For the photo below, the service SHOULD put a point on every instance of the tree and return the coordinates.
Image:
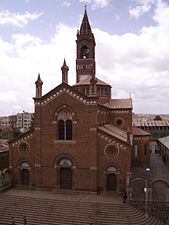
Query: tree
(157, 117)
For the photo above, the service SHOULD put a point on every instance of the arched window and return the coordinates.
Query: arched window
(65, 125)
(61, 129)
(84, 52)
(65, 162)
(111, 169)
(68, 130)
(136, 148)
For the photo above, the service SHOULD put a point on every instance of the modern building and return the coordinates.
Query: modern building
(23, 121)
(82, 137)
(4, 122)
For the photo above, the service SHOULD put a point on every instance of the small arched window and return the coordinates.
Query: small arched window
(111, 169)
(136, 149)
(84, 52)
(24, 165)
(65, 162)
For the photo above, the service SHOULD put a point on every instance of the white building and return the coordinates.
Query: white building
(24, 120)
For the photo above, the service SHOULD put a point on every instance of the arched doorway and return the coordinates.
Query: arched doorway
(111, 182)
(24, 173)
(25, 177)
(153, 147)
(111, 175)
(65, 173)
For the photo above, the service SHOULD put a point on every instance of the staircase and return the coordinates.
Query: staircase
(56, 209)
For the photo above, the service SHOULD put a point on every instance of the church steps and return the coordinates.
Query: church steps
(71, 212)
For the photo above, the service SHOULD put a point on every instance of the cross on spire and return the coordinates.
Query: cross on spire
(85, 8)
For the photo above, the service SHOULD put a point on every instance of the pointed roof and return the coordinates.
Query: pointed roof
(64, 65)
(39, 81)
(85, 25)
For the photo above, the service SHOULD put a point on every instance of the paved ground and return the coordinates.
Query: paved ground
(158, 170)
(158, 174)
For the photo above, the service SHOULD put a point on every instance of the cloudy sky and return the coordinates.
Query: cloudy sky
(132, 49)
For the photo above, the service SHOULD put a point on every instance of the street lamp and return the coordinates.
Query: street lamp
(146, 192)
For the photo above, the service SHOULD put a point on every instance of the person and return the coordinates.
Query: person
(124, 197)
(13, 221)
(24, 220)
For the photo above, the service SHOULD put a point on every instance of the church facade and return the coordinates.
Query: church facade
(81, 138)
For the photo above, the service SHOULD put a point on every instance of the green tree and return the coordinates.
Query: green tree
(157, 117)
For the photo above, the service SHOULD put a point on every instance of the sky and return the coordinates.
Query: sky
(132, 49)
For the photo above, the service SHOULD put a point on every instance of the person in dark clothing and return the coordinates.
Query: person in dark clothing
(24, 220)
(13, 221)
(124, 197)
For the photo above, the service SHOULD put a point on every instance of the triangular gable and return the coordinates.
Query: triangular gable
(69, 90)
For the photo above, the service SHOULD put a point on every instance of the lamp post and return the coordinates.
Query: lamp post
(146, 192)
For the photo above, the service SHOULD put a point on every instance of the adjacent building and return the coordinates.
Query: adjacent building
(22, 121)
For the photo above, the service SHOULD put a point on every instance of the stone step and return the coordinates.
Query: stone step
(62, 212)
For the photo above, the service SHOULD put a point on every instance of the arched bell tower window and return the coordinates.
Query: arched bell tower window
(84, 52)
(65, 125)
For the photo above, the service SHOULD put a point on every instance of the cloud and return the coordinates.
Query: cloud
(97, 3)
(66, 3)
(28, 55)
(143, 6)
(7, 96)
(18, 19)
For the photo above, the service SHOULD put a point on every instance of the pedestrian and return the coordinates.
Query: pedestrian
(124, 197)
(24, 220)
(13, 221)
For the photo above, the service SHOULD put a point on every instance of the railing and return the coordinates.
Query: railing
(155, 208)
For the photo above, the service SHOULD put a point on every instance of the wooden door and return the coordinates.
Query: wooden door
(25, 177)
(65, 178)
(111, 182)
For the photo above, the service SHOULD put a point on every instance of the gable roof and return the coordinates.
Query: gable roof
(119, 104)
(150, 123)
(86, 81)
(164, 141)
(69, 90)
(114, 131)
(139, 132)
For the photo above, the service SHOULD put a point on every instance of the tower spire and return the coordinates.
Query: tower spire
(65, 70)
(85, 61)
(39, 84)
(85, 25)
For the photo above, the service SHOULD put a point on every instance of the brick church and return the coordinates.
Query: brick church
(81, 138)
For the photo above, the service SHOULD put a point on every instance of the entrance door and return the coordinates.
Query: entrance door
(65, 178)
(111, 182)
(25, 177)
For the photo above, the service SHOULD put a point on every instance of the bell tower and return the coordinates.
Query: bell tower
(85, 55)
